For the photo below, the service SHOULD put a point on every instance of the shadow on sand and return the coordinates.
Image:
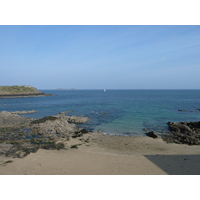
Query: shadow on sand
(177, 164)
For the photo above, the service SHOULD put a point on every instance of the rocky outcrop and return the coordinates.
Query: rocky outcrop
(183, 133)
(152, 134)
(76, 120)
(80, 133)
(53, 127)
(24, 112)
(72, 119)
(10, 120)
(20, 136)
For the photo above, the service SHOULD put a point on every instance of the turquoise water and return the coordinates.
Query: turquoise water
(121, 112)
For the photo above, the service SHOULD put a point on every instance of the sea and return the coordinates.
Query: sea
(116, 112)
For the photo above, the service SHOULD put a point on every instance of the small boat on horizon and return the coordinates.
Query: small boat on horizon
(104, 90)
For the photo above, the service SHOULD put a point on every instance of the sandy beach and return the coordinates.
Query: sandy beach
(109, 155)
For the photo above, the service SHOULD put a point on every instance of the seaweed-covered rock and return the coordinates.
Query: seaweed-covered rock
(44, 119)
(20, 136)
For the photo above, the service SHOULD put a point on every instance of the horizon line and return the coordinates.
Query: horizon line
(117, 89)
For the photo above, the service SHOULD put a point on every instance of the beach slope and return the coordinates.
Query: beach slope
(109, 155)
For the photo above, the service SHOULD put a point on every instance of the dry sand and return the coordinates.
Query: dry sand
(109, 155)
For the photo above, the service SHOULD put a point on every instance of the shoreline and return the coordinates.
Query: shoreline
(109, 155)
(24, 95)
(76, 151)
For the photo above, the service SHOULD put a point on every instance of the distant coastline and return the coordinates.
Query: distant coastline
(66, 89)
(20, 91)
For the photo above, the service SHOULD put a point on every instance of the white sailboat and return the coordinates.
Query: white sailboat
(104, 90)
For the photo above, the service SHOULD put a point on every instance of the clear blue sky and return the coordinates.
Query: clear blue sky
(98, 57)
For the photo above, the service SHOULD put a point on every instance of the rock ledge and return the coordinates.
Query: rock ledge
(183, 133)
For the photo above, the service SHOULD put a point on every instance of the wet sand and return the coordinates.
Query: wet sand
(109, 155)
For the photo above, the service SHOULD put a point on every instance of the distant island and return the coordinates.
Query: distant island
(20, 91)
(66, 89)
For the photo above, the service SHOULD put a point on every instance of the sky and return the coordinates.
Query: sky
(100, 57)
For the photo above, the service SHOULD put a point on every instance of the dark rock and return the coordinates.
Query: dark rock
(152, 134)
(8, 161)
(80, 133)
(74, 147)
(44, 119)
(84, 131)
(184, 111)
(183, 133)
(184, 127)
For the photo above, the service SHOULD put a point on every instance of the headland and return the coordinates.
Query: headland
(20, 91)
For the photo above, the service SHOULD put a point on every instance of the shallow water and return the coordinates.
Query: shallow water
(121, 112)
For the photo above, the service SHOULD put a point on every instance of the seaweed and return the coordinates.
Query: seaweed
(44, 119)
